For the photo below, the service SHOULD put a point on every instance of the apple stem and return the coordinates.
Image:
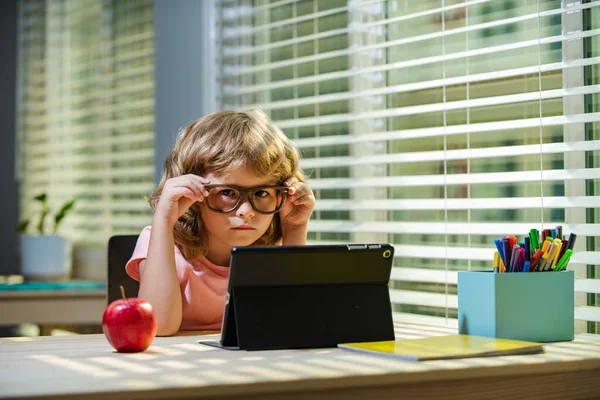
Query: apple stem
(123, 292)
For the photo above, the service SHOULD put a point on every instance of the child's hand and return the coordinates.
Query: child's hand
(298, 206)
(178, 195)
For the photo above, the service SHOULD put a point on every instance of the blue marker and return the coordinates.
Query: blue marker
(526, 266)
(527, 248)
(500, 249)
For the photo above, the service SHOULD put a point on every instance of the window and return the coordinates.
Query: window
(86, 112)
(434, 125)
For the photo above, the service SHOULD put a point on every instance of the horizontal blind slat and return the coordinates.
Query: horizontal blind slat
(451, 277)
(425, 319)
(587, 285)
(462, 154)
(450, 228)
(456, 179)
(587, 313)
(424, 275)
(503, 203)
(424, 298)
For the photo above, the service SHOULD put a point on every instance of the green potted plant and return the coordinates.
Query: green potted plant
(45, 255)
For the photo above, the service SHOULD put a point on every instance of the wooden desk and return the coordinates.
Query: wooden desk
(178, 367)
(52, 306)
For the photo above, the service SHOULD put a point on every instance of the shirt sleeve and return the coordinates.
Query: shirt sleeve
(139, 253)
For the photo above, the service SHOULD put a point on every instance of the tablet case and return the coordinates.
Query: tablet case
(282, 297)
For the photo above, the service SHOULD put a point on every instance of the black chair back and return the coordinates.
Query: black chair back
(120, 249)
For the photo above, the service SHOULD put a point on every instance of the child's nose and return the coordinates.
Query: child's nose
(245, 209)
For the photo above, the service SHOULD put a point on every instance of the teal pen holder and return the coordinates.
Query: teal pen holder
(534, 306)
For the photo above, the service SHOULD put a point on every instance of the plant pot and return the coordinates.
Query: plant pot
(45, 258)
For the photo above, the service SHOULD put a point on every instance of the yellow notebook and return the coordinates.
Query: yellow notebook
(445, 347)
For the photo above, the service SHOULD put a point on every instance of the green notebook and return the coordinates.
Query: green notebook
(445, 347)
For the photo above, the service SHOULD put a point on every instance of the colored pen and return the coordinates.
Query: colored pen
(527, 248)
(551, 254)
(546, 244)
(533, 238)
(521, 259)
(559, 234)
(563, 248)
(512, 240)
(496, 261)
(536, 259)
(562, 264)
(500, 249)
(506, 251)
(526, 266)
(546, 233)
(572, 239)
(543, 262)
(558, 244)
(514, 258)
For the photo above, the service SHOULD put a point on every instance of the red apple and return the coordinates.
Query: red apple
(129, 324)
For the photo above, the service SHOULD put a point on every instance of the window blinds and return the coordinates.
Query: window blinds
(86, 112)
(435, 125)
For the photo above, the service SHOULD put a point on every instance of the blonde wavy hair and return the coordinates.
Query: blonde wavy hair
(218, 143)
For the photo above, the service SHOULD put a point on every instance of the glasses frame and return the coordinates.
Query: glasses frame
(247, 193)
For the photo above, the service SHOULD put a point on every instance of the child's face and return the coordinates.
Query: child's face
(240, 227)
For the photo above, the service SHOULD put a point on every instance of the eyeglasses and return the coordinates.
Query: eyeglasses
(264, 200)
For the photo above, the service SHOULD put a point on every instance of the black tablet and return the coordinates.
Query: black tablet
(282, 297)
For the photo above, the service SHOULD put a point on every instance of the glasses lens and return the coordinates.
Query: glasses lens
(267, 200)
(223, 198)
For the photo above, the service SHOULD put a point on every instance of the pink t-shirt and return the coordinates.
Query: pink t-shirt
(203, 286)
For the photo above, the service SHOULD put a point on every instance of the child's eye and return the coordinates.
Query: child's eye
(228, 192)
(261, 193)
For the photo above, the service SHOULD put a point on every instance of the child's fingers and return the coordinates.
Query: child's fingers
(299, 190)
(182, 191)
(200, 182)
(291, 184)
(193, 182)
(305, 200)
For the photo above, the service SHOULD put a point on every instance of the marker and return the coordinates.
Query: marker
(547, 243)
(562, 264)
(533, 238)
(536, 259)
(558, 244)
(514, 258)
(543, 262)
(496, 261)
(551, 254)
(563, 248)
(500, 249)
(526, 266)
(527, 248)
(506, 251)
(572, 239)
(521, 259)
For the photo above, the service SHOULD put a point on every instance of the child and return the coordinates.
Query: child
(232, 179)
